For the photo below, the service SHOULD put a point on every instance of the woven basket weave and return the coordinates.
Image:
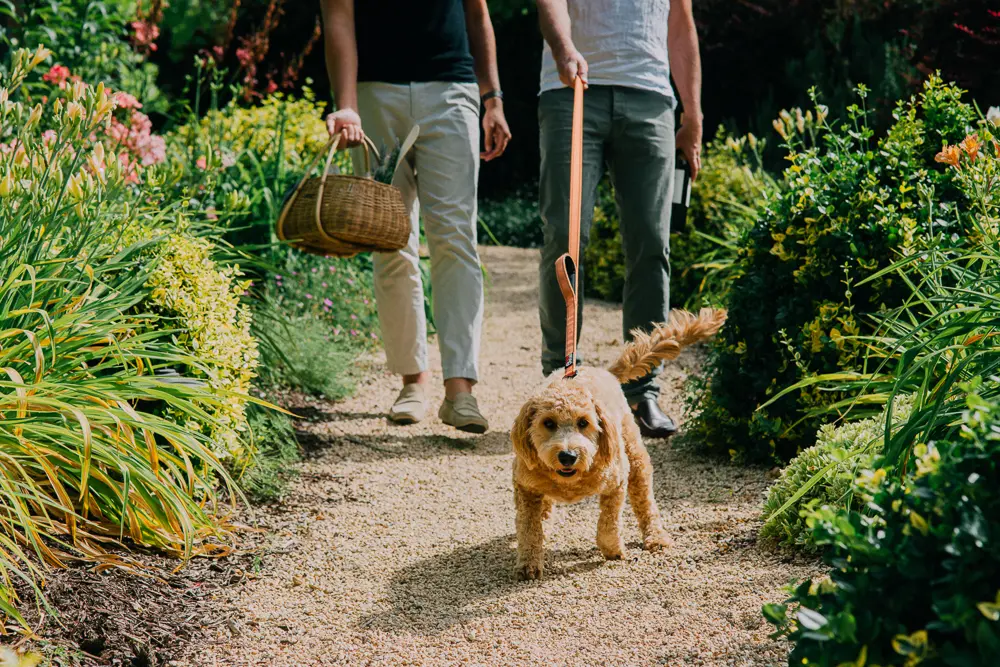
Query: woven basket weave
(342, 216)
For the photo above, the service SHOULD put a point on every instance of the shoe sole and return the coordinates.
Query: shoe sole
(478, 429)
(402, 421)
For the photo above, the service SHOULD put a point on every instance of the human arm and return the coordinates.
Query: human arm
(341, 51)
(685, 63)
(553, 18)
(482, 43)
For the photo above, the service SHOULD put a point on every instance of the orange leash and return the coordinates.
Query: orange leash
(566, 265)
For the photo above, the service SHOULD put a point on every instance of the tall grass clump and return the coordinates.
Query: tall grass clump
(96, 448)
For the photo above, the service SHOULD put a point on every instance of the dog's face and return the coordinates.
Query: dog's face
(564, 429)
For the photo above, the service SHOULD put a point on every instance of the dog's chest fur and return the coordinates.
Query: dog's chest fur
(559, 489)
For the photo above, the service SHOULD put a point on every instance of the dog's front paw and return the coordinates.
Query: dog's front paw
(612, 551)
(529, 571)
(657, 541)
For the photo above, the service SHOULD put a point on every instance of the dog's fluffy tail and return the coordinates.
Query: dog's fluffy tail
(665, 342)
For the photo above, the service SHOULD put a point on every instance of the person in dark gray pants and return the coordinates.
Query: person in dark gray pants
(622, 49)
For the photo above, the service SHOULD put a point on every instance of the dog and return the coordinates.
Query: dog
(576, 438)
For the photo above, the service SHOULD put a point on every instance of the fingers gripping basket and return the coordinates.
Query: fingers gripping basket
(338, 215)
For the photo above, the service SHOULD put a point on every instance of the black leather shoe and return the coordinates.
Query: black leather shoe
(651, 420)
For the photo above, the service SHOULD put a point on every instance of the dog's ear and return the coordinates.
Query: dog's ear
(609, 441)
(520, 436)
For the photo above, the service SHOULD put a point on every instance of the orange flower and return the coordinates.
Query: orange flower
(971, 146)
(950, 155)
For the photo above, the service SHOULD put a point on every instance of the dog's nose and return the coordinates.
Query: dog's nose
(567, 458)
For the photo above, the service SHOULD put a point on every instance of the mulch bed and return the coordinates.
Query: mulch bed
(137, 620)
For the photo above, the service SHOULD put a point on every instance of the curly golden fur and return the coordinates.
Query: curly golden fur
(577, 438)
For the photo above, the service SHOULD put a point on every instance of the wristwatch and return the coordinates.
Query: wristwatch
(490, 95)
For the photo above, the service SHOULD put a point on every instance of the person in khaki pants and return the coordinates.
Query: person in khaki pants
(393, 65)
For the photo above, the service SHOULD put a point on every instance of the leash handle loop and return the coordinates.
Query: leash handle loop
(566, 266)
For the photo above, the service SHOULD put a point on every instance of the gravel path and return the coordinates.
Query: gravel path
(395, 547)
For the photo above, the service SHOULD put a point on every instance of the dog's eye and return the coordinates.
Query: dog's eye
(549, 424)
(582, 423)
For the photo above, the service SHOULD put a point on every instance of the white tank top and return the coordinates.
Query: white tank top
(623, 41)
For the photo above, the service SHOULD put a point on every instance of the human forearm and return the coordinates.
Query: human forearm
(341, 51)
(482, 43)
(685, 61)
(553, 18)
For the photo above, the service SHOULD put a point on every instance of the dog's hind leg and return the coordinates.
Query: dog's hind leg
(640, 491)
(531, 509)
(609, 525)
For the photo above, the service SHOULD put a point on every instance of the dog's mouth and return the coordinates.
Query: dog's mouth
(566, 472)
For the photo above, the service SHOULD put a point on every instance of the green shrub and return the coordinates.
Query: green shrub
(916, 581)
(514, 221)
(214, 329)
(822, 476)
(850, 206)
(91, 39)
(303, 355)
(603, 258)
(730, 187)
(269, 474)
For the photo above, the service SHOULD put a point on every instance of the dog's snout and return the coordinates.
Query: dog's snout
(567, 458)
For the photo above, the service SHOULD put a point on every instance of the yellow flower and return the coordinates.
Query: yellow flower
(74, 187)
(74, 111)
(41, 53)
(6, 184)
(949, 155)
(33, 117)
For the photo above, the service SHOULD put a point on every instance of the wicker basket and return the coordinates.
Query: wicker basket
(344, 215)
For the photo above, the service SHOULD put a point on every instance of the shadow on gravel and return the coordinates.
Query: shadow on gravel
(467, 583)
(384, 447)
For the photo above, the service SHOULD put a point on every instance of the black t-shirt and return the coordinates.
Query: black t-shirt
(400, 41)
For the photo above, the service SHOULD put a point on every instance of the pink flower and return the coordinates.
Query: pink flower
(244, 56)
(277, 277)
(127, 101)
(201, 163)
(271, 87)
(308, 295)
(324, 284)
(145, 33)
(48, 136)
(57, 74)
(327, 303)
(353, 316)
(374, 337)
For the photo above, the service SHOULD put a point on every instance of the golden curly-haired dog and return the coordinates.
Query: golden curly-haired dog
(576, 438)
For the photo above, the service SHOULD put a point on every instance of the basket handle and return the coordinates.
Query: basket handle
(331, 149)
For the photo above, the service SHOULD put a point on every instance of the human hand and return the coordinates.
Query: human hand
(571, 64)
(689, 144)
(496, 133)
(348, 122)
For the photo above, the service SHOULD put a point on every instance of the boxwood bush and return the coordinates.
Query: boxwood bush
(850, 205)
(915, 579)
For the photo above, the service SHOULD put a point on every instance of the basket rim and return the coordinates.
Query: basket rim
(364, 179)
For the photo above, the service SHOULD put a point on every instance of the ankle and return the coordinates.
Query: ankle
(455, 386)
(417, 378)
